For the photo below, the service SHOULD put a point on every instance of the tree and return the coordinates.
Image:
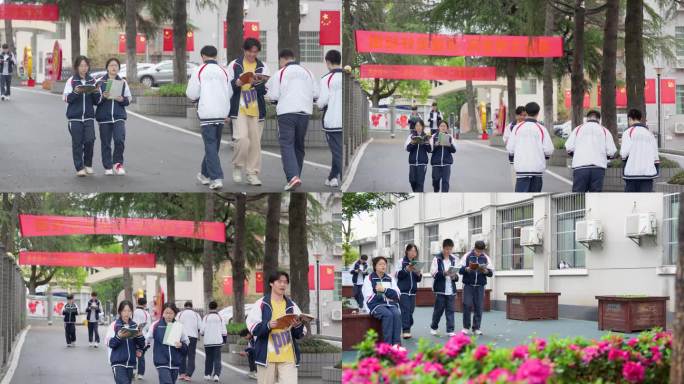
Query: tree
(354, 204)
(299, 254)
(180, 31)
(239, 256)
(127, 278)
(608, 73)
(549, 23)
(272, 236)
(131, 10)
(208, 254)
(677, 358)
(634, 55)
(235, 20)
(288, 25)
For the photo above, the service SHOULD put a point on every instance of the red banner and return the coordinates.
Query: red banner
(190, 41)
(88, 259)
(249, 29)
(568, 100)
(34, 225)
(228, 286)
(34, 12)
(329, 33)
(139, 43)
(168, 40)
(426, 72)
(327, 273)
(650, 91)
(620, 97)
(668, 94)
(410, 43)
(259, 278)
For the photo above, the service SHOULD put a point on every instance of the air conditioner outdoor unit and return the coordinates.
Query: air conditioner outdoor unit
(679, 128)
(336, 314)
(640, 224)
(479, 236)
(303, 9)
(530, 236)
(588, 230)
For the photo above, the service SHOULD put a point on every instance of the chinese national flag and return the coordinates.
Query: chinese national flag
(122, 43)
(667, 91)
(249, 29)
(190, 41)
(228, 286)
(568, 99)
(330, 28)
(312, 278)
(650, 91)
(259, 277)
(327, 276)
(139, 43)
(168, 39)
(620, 97)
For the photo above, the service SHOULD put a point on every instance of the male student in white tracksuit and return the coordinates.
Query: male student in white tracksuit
(192, 325)
(213, 328)
(294, 89)
(590, 145)
(330, 100)
(142, 316)
(209, 86)
(520, 116)
(529, 146)
(639, 152)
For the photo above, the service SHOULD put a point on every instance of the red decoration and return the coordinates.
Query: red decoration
(650, 91)
(668, 94)
(139, 43)
(35, 225)
(168, 40)
(249, 29)
(34, 12)
(190, 42)
(568, 100)
(410, 43)
(327, 273)
(620, 97)
(259, 278)
(56, 62)
(426, 72)
(228, 286)
(87, 259)
(329, 33)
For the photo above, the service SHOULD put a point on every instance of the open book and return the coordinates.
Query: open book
(418, 139)
(443, 140)
(114, 88)
(86, 88)
(127, 332)
(173, 332)
(419, 265)
(452, 271)
(286, 321)
(252, 78)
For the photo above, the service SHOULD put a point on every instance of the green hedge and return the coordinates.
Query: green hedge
(677, 179)
(235, 328)
(558, 142)
(664, 163)
(172, 90)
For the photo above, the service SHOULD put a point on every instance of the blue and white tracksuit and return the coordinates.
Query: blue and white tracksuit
(384, 305)
(474, 283)
(111, 117)
(441, 161)
(166, 358)
(122, 357)
(80, 114)
(418, 160)
(407, 282)
(529, 146)
(444, 288)
(639, 152)
(590, 145)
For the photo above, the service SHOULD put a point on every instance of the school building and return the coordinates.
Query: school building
(576, 244)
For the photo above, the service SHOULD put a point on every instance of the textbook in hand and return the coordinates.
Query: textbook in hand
(86, 88)
(252, 78)
(286, 321)
(127, 332)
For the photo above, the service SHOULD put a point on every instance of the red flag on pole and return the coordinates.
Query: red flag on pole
(650, 91)
(190, 42)
(259, 278)
(139, 43)
(228, 286)
(668, 94)
(168, 39)
(122, 43)
(35, 12)
(568, 100)
(329, 33)
(249, 29)
(327, 273)
(88, 259)
(620, 97)
(312, 278)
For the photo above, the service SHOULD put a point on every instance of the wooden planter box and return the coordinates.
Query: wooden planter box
(232, 356)
(161, 106)
(312, 364)
(354, 328)
(425, 297)
(331, 375)
(347, 291)
(532, 306)
(630, 314)
(486, 307)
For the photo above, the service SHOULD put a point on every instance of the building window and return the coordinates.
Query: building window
(184, 273)
(388, 240)
(567, 211)
(679, 37)
(474, 228)
(431, 234)
(680, 99)
(405, 237)
(509, 222)
(337, 294)
(337, 227)
(528, 87)
(670, 229)
(263, 55)
(309, 49)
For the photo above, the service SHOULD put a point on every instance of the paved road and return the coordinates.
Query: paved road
(36, 155)
(477, 168)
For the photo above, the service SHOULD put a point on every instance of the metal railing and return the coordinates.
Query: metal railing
(355, 118)
(12, 304)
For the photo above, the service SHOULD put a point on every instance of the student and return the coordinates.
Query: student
(294, 89)
(81, 116)
(359, 272)
(590, 145)
(208, 86)
(125, 350)
(639, 152)
(166, 358)
(520, 116)
(434, 120)
(381, 295)
(474, 282)
(413, 118)
(111, 117)
(249, 353)
(141, 316)
(247, 112)
(330, 102)
(93, 310)
(407, 281)
(70, 311)
(7, 64)
(444, 287)
(442, 158)
(418, 146)
(529, 146)
(276, 351)
(192, 325)
(213, 328)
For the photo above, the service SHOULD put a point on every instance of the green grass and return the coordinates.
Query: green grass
(314, 345)
(235, 328)
(172, 90)
(558, 142)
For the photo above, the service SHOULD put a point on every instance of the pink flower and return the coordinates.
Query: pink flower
(534, 371)
(520, 352)
(455, 344)
(396, 353)
(480, 352)
(589, 353)
(633, 342)
(617, 354)
(499, 373)
(541, 344)
(656, 356)
(603, 346)
(633, 372)
(429, 367)
(574, 347)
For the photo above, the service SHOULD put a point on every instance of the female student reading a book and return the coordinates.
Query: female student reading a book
(418, 147)
(408, 274)
(381, 295)
(81, 95)
(111, 117)
(442, 148)
(127, 344)
(276, 351)
(170, 343)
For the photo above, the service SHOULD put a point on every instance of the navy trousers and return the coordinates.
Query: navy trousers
(444, 304)
(109, 131)
(407, 304)
(167, 376)
(588, 179)
(358, 295)
(82, 143)
(391, 323)
(639, 185)
(473, 299)
(528, 184)
(440, 177)
(417, 177)
(122, 375)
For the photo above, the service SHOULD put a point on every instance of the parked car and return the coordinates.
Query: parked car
(227, 313)
(161, 73)
(122, 70)
(563, 130)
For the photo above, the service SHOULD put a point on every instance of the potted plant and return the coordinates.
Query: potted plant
(332, 374)
(317, 353)
(168, 100)
(630, 313)
(533, 305)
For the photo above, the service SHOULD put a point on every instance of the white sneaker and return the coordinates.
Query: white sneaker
(293, 184)
(203, 179)
(119, 169)
(216, 378)
(7, 98)
(216, 184)
(406, 335)
(451, 334)
(109, 172)
(81, 173)
(89, 170)
(138, 376)
(478, 332)
(96, 345)
(434, 332)
(252, 375)
(253, 180)
(237, 175)
(466, 331)
(333, 183)
(207, 377)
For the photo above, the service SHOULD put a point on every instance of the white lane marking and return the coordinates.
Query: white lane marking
(238, 370)
(355, 165)
(15, 357)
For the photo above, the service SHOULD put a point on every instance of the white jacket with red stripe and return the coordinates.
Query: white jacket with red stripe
(639, 150)
(590, 145)
(294, 88)
(528, 146)
(209, 85)
(331, 98)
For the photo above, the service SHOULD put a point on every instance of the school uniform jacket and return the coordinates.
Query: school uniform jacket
(435, 117)
(80, 107)
(192, 322)
(141, 316)
(407, 282)
(97, 311)
(70, 311)
(123, 350)
(639, 152)
(213, 328)
(235, 69)
(418, 153)
(7, 59)
(258, 321)
(362, 271)
(590, 145)
(330, 100)
(528, 147)
(441, 155)
(373, 299)
(475, 277)
(165, 356)
(294, 89)
(111, 111)
(208, 85)
(438, 271)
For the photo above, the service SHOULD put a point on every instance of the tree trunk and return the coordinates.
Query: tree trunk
(127, 278)
(608, 75)
(9, 36)
(677, 358)
(471, 98)
(239, 257)
(375, 96)
(288, 25)
(347, 32)
(272, 245)
(634, 59)
(577, 76)
(511, 75)
(235, 20)
(75, 26)
(170, 270)
(180, 32)
(548, 70)
(299, 255)
(131, 41)
(208, 256)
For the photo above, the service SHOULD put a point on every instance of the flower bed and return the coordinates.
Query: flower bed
(644, 359)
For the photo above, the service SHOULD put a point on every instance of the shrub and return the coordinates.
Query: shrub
(558, 142)
(315, 345)
(172, 90)
(677, 179)
(235, 328)
(664, 163)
